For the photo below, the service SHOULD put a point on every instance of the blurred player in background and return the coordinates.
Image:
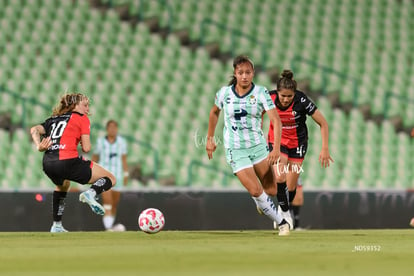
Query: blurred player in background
(293, 106)
(111, 152)
(69, 126)
(243, 103)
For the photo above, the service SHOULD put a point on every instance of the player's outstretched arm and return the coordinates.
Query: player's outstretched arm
(212, 123)
(274, 118)
(324, 157)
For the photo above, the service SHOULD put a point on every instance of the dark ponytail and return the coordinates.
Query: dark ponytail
(239, 60)
(286, 81)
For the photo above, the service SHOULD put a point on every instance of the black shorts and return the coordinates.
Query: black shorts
(75, 169)
(294, 154)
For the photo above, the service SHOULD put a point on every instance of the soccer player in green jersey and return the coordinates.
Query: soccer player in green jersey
(243, 103)
(111, 153)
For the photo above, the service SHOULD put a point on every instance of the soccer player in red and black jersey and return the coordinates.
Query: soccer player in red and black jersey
(69, 126)
(293, 106)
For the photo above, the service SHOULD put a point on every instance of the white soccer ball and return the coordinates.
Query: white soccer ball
(151, 221)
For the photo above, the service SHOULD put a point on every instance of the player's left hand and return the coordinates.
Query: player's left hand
(325, 158)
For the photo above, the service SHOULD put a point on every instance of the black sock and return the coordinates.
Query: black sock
(292, 195)
(296, 210)
(101, 185)
(58, 205)
(282, 196)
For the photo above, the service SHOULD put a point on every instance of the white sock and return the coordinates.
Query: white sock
(57, 223)
(268, 207)
(108, 221)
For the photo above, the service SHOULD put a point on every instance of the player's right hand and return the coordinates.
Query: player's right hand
(210, 147)
(44, 144)
(273, 157)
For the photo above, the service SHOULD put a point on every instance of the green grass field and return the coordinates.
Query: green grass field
(339, 252)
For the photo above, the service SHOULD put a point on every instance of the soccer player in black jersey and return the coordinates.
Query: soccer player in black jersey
(58, 137)
(293, 106)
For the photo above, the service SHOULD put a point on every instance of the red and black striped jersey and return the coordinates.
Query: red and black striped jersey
(293, 117)
(65, 132)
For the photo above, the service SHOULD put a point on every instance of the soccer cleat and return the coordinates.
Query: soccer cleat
(57, 228)
(285, 215)
(284, 228)
(87, 197)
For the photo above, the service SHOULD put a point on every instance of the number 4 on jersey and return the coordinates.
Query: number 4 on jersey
(300, 150)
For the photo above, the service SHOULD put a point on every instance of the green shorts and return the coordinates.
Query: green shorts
(240, 159)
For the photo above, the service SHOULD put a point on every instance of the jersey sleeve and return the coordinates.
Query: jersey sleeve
(266, 100)
(219, 100)
(46, 125)
(307, 104)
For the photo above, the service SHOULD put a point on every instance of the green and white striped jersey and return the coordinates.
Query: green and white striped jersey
(110, 155)
(243, 115)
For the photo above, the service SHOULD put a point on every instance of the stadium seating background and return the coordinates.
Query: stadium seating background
(161, 91)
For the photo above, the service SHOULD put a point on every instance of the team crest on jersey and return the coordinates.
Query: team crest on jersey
(252, 99)
(293, 113)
